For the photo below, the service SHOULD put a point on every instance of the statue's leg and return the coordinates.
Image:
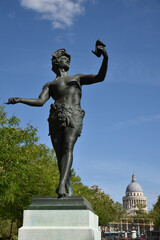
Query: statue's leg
(69, 139)
(57, 142)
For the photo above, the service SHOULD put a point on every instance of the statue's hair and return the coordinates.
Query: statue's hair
(55, 56)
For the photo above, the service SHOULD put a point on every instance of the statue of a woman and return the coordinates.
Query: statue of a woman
(66, 115)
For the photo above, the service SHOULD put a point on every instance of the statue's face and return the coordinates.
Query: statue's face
(64, 62)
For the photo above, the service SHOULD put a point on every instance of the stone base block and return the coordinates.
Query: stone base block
(46, 233)
(59, 225)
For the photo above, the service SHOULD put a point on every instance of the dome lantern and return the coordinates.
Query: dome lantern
(133, 178)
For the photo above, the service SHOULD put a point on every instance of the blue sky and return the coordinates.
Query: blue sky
(121, 131)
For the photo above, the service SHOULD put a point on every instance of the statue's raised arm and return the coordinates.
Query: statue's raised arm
(90, 79)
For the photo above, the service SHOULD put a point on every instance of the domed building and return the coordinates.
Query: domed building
(130, 222)
(134, 197)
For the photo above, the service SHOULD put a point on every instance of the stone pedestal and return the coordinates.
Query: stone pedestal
(46, 220)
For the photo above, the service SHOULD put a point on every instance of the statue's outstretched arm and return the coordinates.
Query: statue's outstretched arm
(38, 102)
(90, 79)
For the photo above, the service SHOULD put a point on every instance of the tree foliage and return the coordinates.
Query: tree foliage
(141, 215)
(156, 213)
(106, 209)
(27, 168)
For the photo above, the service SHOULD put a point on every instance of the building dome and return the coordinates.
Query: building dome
(134, 186)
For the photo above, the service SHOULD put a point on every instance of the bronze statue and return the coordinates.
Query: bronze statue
(66, 115)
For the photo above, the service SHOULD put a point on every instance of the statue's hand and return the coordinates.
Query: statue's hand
(102, 51)
(13, 100)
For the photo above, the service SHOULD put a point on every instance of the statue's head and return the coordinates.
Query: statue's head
(60, 59)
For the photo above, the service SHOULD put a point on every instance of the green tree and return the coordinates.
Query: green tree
(155, 213)
(104, 207)
(27, 168)
(120, 211)
(141, 215)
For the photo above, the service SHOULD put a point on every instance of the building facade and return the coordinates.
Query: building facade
(134, 197)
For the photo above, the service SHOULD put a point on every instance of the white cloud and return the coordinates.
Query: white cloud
(60, 12)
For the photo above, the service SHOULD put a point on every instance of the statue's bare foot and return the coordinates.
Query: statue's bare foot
(70, 192)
